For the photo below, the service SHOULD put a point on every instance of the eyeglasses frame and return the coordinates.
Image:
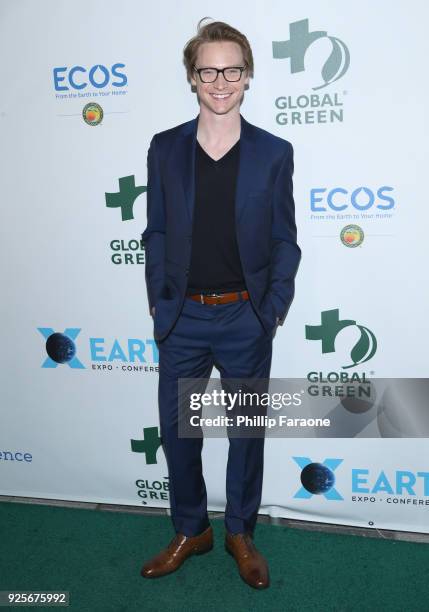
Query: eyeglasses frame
(241, 68)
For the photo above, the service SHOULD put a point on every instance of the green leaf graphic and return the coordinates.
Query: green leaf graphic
(366, 346)
(333, 63)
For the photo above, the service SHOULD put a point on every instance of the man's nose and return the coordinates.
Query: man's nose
(220, 82)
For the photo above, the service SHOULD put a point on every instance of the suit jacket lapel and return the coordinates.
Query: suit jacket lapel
(187, 164)
(247, 165)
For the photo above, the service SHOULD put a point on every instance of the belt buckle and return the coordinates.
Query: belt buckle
(215, 295)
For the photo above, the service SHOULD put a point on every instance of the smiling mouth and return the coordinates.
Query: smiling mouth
(220, 96)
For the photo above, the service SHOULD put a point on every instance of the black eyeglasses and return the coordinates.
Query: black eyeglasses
(231, 74)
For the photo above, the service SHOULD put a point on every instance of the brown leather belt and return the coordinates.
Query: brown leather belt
(219, 298)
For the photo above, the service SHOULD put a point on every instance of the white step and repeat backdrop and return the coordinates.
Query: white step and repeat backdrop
(84, 86)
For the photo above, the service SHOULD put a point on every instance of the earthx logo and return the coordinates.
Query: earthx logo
(318, 478)
(366, 485)
(131, 355)
(61, 347)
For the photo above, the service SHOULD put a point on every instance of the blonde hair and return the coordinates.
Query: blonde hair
(216, 31)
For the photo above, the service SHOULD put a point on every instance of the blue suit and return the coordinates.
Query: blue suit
(235, 337)
(265, 221)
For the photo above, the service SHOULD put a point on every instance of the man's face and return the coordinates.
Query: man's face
(222, 96)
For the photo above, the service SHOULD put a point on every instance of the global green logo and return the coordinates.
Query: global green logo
(300, 39)
(327, 332)
(125, 197)
(148, 445)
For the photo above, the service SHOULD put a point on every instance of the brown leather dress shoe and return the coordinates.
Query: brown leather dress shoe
(180, 548)
(252, 566)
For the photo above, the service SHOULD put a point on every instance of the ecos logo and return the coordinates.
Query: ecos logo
(132, 356)
(300, 39)
(79, 77)
(318, 478)
(327, 332)
(338, 199)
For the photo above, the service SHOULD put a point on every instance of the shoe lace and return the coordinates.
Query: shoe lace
(248, 540)
(247, 544)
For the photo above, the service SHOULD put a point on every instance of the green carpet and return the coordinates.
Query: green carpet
(97, 556)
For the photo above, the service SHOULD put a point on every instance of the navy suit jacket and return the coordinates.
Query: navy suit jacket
(264, 213)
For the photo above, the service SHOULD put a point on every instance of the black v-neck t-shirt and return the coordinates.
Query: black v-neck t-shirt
(215, 264)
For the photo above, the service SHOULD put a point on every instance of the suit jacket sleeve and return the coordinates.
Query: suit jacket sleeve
(285, 252)
(154, 234)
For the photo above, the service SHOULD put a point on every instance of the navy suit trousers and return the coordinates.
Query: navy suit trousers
(231, 338)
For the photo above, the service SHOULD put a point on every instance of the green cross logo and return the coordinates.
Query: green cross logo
(330, 327)
(149, 445)
(300, 40)
(125, 197)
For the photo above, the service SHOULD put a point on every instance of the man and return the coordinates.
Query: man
(221, 257)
